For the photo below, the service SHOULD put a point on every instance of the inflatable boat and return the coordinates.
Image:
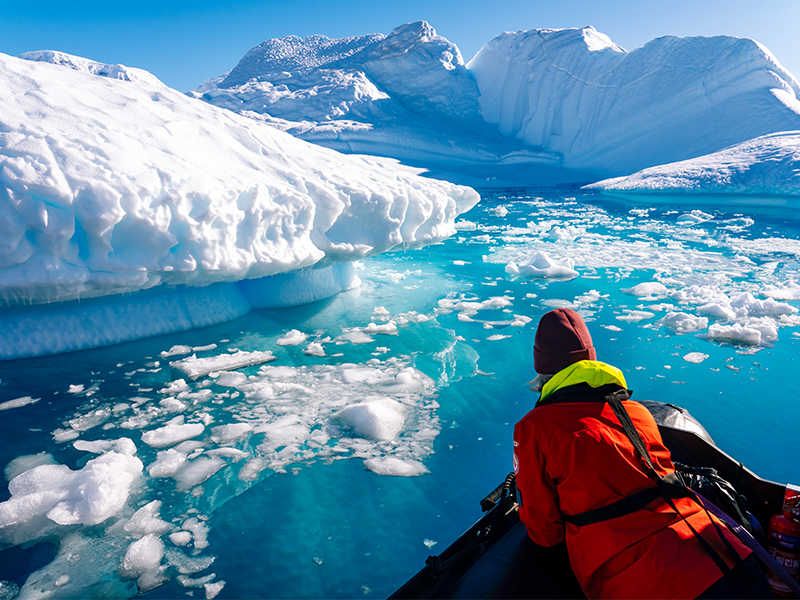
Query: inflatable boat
(495, 558)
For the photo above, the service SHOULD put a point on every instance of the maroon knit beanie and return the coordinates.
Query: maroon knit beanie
(562, 338)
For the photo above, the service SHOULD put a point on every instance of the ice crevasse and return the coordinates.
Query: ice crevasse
(131, 190)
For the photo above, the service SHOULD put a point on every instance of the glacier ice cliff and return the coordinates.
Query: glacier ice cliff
(539, 106)
(117, 186)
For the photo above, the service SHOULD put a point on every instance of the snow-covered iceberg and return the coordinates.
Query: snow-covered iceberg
(537, 106)
(763, 171)
(613, 112)
(112, 187)
(406, 95)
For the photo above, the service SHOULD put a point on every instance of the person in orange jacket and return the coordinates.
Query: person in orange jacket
(571, 456)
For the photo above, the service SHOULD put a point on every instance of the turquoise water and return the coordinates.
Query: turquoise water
(302, 514)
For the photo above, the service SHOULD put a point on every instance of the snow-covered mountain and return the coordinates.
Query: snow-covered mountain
(765, 171)
(533, 107)
(111, 187)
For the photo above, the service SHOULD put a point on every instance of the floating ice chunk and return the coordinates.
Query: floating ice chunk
(352, 374)
(173, 405)
(172, 433)
(683, 323)
(75, 389)
(195, 472)
(696, 216)
(632, 316)
(611, 327)
(718, 311)
(789, 290)
(520, 321)
(61, 581)
(188, 582)
(225, 434)
(380, 419)
(90, 420)
(540, 265)
(464, 225)
(152, 579)
(429, 543)
(65, 435)
(389, 328)
(205, 348)
(412, 316)
(293, 338)
(233, 453)
(766, 325)
(180, 538)
(189, 446)
(197, 367)
(18, 402)
(746, 304)
(142, 556)
(175, 387)
(27, 462)
(96, 492)
(146, 521)
(380, 311)
(650, 288)
(500, 211)
(695, 357)
(355, 337)
(470, 308)
(497, 336)
(734, 333)
(314, 349)
(199, 531)
(95, 447)
(167, 463)
(89, 496)
(212, 589)
(186, 565)
(390, 465)
(230, 379)
(176, 351)
(252, 468)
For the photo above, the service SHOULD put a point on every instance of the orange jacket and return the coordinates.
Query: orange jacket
(574, 457)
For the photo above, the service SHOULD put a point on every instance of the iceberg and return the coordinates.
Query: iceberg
(407, 96)
(611, 112)
(128, 209)
(541, 106)
(763, 171)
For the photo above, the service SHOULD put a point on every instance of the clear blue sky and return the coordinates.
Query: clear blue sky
(184, 42)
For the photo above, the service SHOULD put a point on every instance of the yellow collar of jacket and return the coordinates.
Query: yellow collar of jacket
(593, 372)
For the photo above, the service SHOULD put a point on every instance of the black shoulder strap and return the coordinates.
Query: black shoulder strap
(669, 486)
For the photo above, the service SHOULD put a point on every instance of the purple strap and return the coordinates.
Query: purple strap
(749, 541)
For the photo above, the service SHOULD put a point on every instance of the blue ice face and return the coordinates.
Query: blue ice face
(354, 436)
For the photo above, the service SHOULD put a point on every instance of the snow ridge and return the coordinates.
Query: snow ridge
(92, 67)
